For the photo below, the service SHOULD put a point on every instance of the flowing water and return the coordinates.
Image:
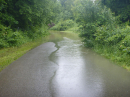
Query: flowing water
(63, 67)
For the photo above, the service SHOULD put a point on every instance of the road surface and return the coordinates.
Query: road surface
(62, 67)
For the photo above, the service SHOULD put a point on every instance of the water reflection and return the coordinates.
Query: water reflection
(72, 77)
(83, 73)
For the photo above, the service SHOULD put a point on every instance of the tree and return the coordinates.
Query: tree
(119, 7)
(30, 16)
(26, 14)
(66, 12)
(91, 16)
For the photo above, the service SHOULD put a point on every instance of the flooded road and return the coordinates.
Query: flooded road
(63, 67)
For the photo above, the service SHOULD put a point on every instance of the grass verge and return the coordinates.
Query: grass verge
(8, 55)
(114, 55)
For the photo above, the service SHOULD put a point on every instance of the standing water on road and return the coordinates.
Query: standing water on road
(63, 67)
(83, 73)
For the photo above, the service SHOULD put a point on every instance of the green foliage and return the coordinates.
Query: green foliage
(65, 12)
(100, 30)
(92, 16)
(63, 25)
(25, 20)
(9, 38)
(27, 14)
(119, 7)
(114, 43)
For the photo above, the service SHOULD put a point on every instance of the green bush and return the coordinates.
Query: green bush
(100, 31)
(15, 39)
(63, 25)
(3, 43)
(9, 38)
(96, 22)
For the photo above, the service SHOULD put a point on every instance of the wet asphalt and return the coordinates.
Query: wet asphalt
(64, 68)
(30, 75)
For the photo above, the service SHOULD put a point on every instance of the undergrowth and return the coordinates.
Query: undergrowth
(102, 32)
(10, 38)
(114, 45)
(15, 44)
(8, 55)
(66, 25)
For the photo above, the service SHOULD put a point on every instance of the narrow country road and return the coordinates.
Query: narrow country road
(62, 67)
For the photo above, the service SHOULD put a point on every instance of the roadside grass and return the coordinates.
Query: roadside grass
(8, 55)
(111, 53)
(67, 31)
(114, 55)
(73, 29)
(70, 30)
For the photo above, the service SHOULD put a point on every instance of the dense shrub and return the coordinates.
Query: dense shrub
(63, 25)
(102, 32)
(96, 22)
(9, 38)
